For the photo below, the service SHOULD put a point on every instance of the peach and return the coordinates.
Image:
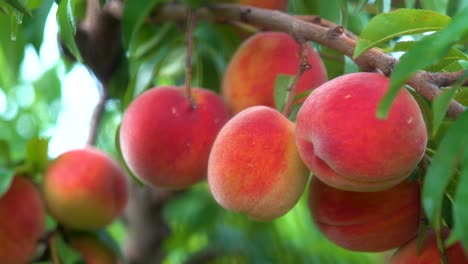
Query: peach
(343, 143)
(268, 4)
(428, 254)
(366, 221)
(85, 189)
(250, 76)
(254, 167)
(166, 140)
(93, 250)
(22, 223)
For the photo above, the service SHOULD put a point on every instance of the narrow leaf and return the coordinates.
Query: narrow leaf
(67, 26)
(282, 83)
(37, 154)
(20, 6)
(460, 214)
(6, 176)
(432, 48)
(443, 164)
(135, 12)
(386, 26)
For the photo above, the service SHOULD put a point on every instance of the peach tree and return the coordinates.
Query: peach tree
(238, 131)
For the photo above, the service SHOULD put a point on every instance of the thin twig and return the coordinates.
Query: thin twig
(304, 66)
(188, 59)
(97, 117)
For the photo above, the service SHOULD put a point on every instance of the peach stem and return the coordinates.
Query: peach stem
(303, 66)
(188, 60)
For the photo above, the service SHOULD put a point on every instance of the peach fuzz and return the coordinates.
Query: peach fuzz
(254, 167)
(166, 140)
(22, 223)
(268, 4)
(250, 76)
(429, 254)
(85, 189)
(343, 143)
(366, 221)
(92, 250)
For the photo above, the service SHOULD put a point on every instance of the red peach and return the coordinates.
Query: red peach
(85, 189)
(366, 221)
(254, 167)
(429, 254)
(22, 223)
(250, 76)
(166, 140)
(93, 250)
(343, 143)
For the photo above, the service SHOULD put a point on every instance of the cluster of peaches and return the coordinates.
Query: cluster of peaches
(257, 161)
(83, 189)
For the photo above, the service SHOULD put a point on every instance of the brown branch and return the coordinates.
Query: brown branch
(97, 117)
(427, 84)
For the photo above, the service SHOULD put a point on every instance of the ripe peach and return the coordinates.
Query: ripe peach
(254, 167)
(93, 250)
(250, 76)
(166, 140)
(343, 143)
(428, 254)
(22, 223)
(269, 4)
(85, 189)
(366, 221)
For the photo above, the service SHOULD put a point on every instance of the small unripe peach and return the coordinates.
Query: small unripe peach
(166, 138)
(250, 76)
(85, 189)
(366, 221)
(343, 143)
(268, 4)
(22, 222)
(254, 167)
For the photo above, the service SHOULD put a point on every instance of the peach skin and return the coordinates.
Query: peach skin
(343, 143)
(254, 167)
(166, 140)
(366, 221)
(250, 76)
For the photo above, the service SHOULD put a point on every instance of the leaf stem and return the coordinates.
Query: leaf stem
(304, 66)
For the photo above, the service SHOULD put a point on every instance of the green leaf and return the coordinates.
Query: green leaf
(432, 48)
(435, 5)
(441, 104)
(462, 96)
(384, 27)
(460, 214)
(20, 6)
(443, 165)
(64, 252)
(6, 177)
(37, 154)
(282, 83)
(135, 13)
(67, 26)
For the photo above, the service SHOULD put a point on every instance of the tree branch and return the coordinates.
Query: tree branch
(310, 29)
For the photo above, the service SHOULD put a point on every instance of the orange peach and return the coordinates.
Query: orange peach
(85, 189)
(254, 167)
(250, 76)
(22, 223)
(343, 143)
(93, 250)
(429, 254)
(166, 140)
(366, 221)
